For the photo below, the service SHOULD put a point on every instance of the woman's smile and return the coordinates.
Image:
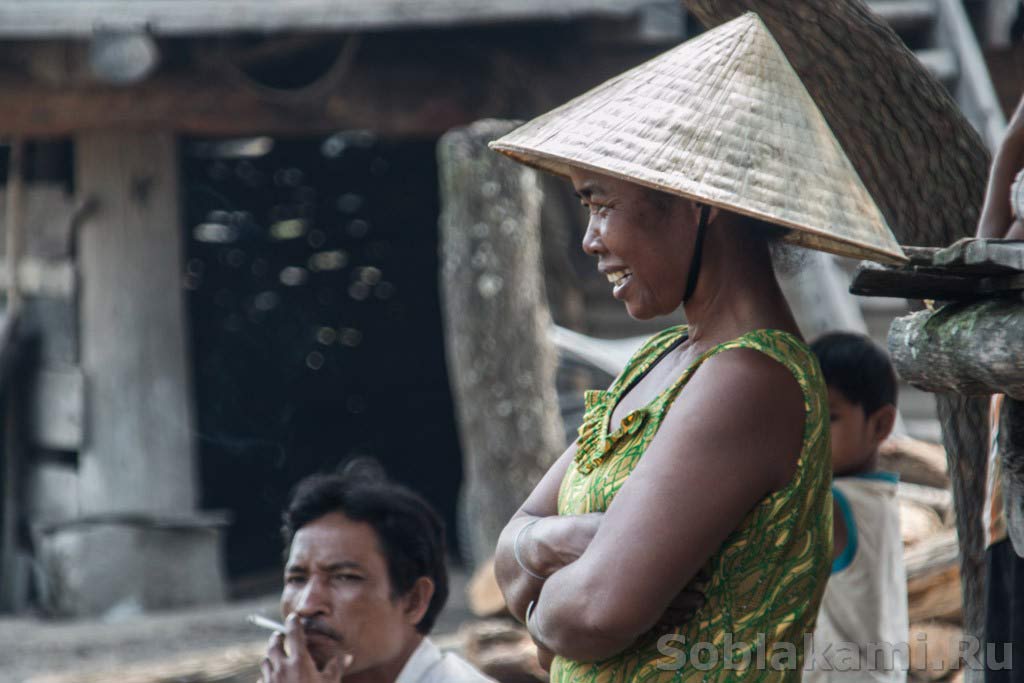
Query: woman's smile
(619, 279)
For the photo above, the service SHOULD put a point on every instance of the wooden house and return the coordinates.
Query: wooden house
(221, 250)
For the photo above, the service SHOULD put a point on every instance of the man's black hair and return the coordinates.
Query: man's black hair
(858, 368)
(410, 532)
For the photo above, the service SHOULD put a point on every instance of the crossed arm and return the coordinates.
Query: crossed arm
(730, 439)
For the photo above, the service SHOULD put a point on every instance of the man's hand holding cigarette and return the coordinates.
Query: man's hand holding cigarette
(288, 659)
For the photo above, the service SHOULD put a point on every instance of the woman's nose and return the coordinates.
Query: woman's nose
(591, 240)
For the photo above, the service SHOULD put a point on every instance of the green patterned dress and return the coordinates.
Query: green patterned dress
(764, 584)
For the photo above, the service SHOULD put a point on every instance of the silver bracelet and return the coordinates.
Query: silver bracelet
(1017, 196)
(515, 550)
(534, 628)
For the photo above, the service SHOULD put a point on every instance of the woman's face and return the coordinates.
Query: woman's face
(643, 241)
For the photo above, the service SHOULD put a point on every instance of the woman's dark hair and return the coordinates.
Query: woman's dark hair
(411, 534)
(858, 368)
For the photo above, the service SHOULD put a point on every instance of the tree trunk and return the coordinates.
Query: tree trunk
(500, 361)
(972, 349)
(133, 346)
(922, 162)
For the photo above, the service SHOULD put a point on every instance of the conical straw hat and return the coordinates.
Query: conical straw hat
(723, 119)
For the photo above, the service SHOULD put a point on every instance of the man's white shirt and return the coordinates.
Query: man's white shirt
(427, 664)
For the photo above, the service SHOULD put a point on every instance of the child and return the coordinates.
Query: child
(864, 611)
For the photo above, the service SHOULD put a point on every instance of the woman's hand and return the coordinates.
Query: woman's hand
(518, 587)
(554, 542)
(997, 219)
(544, 657)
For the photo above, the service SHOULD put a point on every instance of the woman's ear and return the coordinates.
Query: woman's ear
(417, 600)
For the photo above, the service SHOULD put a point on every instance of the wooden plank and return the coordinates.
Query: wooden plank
(973, 349)
(38, 277)
(873, 279)
(48, 212)
(139, 456)
(920, 255)
(216, 107)
(985, 255)
(82, 18)
(56, 409)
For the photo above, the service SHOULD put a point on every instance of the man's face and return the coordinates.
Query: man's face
(337, 579)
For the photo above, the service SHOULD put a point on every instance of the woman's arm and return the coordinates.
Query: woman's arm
(733, 436)
(546, 546)
(997, 219)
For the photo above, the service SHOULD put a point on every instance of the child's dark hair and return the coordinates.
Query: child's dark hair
(858, 368)
(410, 532)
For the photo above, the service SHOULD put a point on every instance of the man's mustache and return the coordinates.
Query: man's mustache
(317, 626)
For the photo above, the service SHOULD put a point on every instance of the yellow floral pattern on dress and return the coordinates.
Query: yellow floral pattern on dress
(764, 585)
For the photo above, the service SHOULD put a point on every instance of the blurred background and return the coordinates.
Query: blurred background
(222, 269)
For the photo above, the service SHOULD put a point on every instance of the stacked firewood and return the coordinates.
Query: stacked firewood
(930, 556)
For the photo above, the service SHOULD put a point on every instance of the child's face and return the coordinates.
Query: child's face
(855, 435)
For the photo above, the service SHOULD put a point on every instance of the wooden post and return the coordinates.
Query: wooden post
(139, 454)
(1011, 451)
(500, 360)
(11, 472)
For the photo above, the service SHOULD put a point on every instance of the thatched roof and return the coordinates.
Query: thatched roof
(82, 18)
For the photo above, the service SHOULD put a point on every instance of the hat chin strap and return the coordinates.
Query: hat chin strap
(698, 249)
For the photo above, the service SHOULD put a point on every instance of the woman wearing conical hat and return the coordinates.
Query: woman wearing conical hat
(703, 471)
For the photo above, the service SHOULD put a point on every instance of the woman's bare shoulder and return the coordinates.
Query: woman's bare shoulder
(751, 404)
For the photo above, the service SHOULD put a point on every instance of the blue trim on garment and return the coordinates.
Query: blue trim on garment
(891, 477)
(844, 560)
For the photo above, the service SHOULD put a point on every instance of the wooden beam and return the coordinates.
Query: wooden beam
(971, 349)
(396, 85)
(179, 18)
(968, 269)
(981, 255)
(420, 101)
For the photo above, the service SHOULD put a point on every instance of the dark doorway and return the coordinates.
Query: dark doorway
(312, 283)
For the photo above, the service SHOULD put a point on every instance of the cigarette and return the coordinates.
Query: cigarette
(263, 622)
